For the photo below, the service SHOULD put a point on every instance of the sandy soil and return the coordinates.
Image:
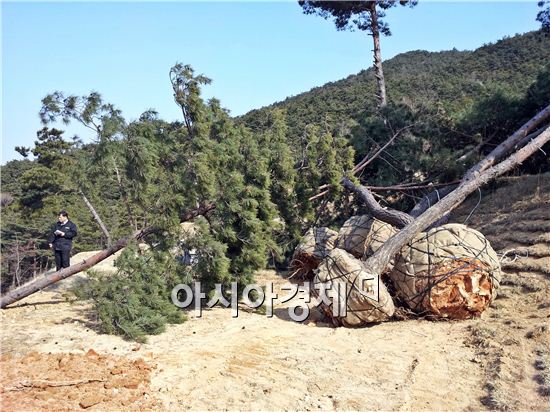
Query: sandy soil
(252, 362)
(255, 362)
(69, 381)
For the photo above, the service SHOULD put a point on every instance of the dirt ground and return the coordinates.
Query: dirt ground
(252, 362)
(72, 381)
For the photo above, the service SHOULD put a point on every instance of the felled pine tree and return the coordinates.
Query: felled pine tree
(259, 184)
(133, 303)
(167, 169)
(223, 164)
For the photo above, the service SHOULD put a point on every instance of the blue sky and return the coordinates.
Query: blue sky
(255, 52)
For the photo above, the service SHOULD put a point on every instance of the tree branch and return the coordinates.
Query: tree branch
(362, 164)
(96, 217)
(378, 262)
(430, 199)
(367, 160)
(411, 186)
(391, 216)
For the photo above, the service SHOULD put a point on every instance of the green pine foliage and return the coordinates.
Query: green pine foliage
(449, 81)
(259, 170)
(134, 302)
(445, 104)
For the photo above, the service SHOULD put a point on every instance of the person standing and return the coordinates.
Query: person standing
(61, 240)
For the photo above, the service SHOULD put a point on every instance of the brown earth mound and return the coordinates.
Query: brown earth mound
(69, 381)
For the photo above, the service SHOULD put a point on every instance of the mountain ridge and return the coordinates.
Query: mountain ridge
(453, 78)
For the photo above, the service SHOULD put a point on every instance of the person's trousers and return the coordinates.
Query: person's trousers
(62, 258)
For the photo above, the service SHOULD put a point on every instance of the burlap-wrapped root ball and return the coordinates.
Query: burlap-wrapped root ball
(314, 247)
(450, 272)
(363, 235)
(365, 297)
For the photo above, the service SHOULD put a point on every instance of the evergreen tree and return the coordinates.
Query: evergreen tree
(543, 16)
(282, 164)
(50, 174)
(135, 302)
(206, 160)
(365, 15)
(259, 171)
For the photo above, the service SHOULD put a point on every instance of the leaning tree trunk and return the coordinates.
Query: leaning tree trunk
(378, 72)
(97, 218)
(378, 262)
(524, 134)
(430, 199)
(39, 284)
(131, 218)
(509, 144)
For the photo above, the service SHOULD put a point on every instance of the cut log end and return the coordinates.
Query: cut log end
(455, 289)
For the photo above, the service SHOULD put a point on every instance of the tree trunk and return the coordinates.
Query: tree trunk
(518, 139)
(378, 262)
(508, 145)
(17, 262)
(131, 218)
(378, 72)
(391, 216)
(34, 270)
(430, 199)
(179, 98)
(201, 210)
(187, 121)
(41, 283)
(97, 218)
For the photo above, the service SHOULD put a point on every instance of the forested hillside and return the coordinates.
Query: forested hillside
(254, 184)
(453, 81)
(450, 107)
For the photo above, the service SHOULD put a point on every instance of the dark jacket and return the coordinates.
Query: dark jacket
(62, 242)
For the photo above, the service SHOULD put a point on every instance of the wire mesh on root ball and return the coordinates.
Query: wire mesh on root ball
(314, 247)
(348, 284)
(449, 272)
(363, 235)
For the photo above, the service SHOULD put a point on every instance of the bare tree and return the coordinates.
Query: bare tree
(97, 218)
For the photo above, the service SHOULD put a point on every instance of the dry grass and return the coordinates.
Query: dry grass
(496, 344)
(544, 238)
(542, 364)
(521, 284)
(482, 335)
(498, 396)
(537, 332)
(529, 265)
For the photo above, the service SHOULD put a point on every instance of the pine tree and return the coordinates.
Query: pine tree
(543, 16)
(364, 15)
(207, 159)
